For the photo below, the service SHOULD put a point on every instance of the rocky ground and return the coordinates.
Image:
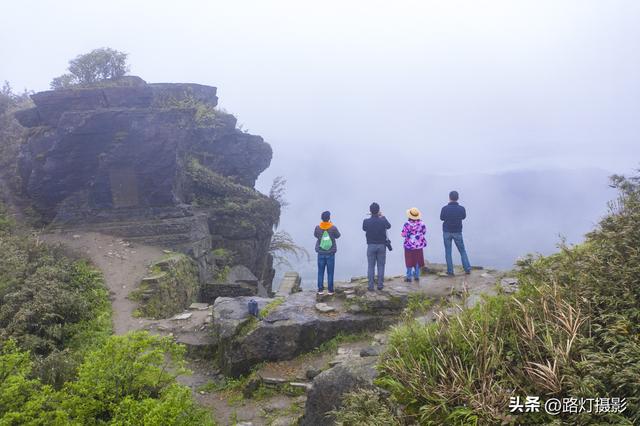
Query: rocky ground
(301, 353)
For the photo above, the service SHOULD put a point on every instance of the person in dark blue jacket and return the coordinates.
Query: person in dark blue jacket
(452, 215)
(376, 231)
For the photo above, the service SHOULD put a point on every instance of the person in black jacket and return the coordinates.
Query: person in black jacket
(376, 230)
(452, 215)
(326, 249)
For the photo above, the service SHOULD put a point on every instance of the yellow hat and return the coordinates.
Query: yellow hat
(413, 213)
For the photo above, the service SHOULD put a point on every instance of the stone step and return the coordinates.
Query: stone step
(301, 385)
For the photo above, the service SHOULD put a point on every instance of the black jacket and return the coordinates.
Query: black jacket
(376, 229)
(333, 233)
(452, 215)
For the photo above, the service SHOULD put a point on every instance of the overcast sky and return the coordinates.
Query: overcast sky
(485, 84)
(402, 89)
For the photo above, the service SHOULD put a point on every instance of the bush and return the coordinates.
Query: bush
(53, 306)
(128, 380)
(365, 407)
(58, 363)
(571, 331)
(49, 302)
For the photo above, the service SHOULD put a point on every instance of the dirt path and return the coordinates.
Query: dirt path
(123, 265)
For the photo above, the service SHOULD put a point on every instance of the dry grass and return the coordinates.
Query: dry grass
(571, 331)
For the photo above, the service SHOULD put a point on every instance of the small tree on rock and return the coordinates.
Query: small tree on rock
(93, 67)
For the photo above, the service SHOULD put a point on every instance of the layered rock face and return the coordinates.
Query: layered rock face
(156, 163)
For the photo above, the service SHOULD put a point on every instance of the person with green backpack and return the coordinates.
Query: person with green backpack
(326, 234)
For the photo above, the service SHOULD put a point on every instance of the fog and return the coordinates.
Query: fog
(524, 107)
(509, 214)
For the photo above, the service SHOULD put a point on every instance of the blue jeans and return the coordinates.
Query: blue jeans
(376, 254)
(415, 271)
(327, 261)
(457, 238)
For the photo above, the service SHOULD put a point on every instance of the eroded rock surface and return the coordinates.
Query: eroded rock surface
(292, 327)
(299, 323)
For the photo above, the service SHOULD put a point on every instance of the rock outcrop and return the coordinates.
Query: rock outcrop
(156, 163)
(330, 386)
(170, 287)
(293, 325)
(300, 322)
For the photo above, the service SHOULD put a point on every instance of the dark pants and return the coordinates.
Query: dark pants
(327, 261)
(376, 254)
(457, 239)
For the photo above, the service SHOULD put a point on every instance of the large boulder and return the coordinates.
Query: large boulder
(329, 387)
(288, 327)
(231, 313)
(156, 163)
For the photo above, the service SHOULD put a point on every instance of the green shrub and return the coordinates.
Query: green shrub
(128, 380)
(417, 304)
(47, 301)
(365, 407)
(205, 114)
(53, 306)
(571, 331)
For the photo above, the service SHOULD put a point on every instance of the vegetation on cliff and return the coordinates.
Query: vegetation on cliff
(570, 332)
(282, 245)
(209, 186)
(93, 67)
(11, 132)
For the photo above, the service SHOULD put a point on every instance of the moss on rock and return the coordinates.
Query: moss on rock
(170, 287)
(208, 185)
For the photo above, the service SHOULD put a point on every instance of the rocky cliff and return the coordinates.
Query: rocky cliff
(156, 163)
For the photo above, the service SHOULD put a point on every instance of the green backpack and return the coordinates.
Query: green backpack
(325, 241)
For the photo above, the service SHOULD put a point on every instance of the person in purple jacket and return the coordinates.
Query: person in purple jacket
(414, 232)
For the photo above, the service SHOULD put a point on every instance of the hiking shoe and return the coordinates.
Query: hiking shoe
(331, 293)
(407, 280)
(320, 293)
(467, 272)
(416, 279)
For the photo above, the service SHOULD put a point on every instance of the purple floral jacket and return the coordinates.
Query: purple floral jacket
(414, 232)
